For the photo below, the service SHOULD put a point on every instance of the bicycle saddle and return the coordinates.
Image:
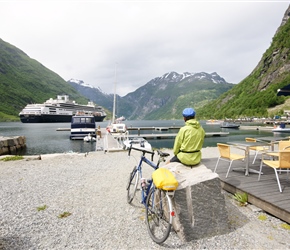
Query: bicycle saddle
(162, 154)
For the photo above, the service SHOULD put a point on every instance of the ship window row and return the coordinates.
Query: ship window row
(82, 120)
(32, 111)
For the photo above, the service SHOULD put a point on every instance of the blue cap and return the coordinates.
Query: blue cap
(188, 112)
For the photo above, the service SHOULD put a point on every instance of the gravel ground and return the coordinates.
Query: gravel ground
(90, 188)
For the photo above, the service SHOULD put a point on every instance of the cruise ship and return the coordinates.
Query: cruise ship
(60, 109)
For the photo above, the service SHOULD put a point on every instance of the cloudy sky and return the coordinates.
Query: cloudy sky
(86, 39)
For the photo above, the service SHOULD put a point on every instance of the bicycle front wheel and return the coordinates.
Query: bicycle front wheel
(132, 184)
(158, 206)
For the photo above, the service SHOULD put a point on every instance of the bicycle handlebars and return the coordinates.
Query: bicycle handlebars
(141, 149)
(144, 151)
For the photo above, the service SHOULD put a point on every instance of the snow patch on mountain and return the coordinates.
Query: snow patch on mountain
(82, 83)
(174, 77)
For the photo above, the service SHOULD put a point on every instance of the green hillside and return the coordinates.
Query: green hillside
(195, 94)
(23, 80)
(258, 92)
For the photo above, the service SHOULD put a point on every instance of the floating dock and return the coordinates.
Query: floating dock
(173, 135)
(262, 128)
(156, 135)
(154, 128)
(114, 143)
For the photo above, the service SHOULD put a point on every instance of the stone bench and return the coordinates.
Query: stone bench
(199, 204)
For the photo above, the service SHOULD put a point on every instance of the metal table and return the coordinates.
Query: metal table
(247, 146)
(272, 140)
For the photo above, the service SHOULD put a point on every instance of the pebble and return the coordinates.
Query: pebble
(92, 191)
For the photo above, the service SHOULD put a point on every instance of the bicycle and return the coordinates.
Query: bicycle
(158, 202)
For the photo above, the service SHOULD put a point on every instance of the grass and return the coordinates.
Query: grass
(242, 198)
(13, 158)
(285, 226)
(41, 208)
(64, 215)
(262, 217)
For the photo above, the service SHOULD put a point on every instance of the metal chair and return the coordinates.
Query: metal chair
(257, 149)
(282, 145)
(282, 164)
(226, 155)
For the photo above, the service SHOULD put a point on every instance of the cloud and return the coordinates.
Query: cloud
(85, 39)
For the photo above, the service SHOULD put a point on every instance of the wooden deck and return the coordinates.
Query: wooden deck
(263, 194)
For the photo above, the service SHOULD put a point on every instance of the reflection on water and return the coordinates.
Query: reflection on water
(43, 138)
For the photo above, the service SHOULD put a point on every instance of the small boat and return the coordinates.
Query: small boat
(121, 118)
(81, 126)
(281, 128)
(137, 143)
(213, 122)
(117, 128)
(229, 125)
(89, 138)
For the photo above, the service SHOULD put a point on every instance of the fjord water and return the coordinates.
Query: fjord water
(43, 138)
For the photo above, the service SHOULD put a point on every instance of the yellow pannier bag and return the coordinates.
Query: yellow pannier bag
(164, 179)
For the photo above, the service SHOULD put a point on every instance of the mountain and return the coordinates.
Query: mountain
(165, 97)
(162, 97)
(24, 80)
(94, 94)
(256, 95)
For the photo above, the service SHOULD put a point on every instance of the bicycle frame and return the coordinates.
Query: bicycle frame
(139, 168)
(143, 158)
(157, 201)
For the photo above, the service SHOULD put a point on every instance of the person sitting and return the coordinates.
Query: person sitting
(189, 140)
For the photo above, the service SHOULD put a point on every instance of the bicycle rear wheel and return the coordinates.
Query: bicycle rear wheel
(158, 206)
(132, 184)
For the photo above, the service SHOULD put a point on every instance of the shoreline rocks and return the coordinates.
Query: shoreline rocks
(11, 145)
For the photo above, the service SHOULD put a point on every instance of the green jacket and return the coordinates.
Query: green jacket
(188, 143)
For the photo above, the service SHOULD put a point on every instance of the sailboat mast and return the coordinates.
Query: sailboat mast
(114, 106)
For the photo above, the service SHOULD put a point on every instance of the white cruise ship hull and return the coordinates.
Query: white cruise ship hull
(52, 118)
(59, 110)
